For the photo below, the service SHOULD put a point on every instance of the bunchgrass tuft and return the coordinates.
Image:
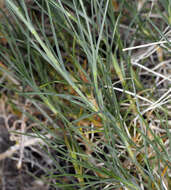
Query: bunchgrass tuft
(99, 73)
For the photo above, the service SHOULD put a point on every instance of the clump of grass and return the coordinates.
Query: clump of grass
(108, 107)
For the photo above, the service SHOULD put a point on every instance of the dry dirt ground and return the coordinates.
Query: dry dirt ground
(20, 157)
(11, 177)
